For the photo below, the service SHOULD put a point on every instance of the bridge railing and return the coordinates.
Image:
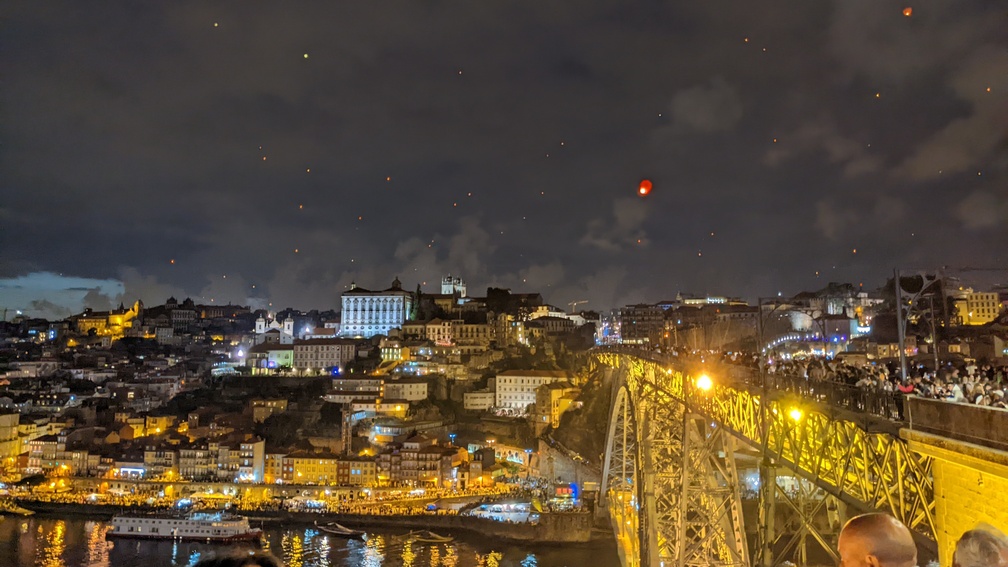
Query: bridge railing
(886, 405)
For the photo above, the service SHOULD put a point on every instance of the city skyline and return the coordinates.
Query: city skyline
(275, 154)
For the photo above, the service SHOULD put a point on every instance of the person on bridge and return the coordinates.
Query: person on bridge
(876, 540)
(983, 546)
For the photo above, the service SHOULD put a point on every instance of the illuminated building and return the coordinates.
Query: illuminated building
(10, 442)
(268, 358)
(353, 388)
(112, 324)
(453, 286)
(252, 461)
(974, 308)
(552, 400)
(267, 328)
(323, 355)
(367, 313)
(641, 324)
(264, 407)
(516, 389)
(409, 389)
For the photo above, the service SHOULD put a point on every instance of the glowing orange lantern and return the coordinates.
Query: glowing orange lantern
(908, 11)
(645, 187)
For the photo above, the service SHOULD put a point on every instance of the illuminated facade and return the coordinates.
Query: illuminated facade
(325, 468)
(516, 389)
(285, 330)
(978, 308)
(10, 442)
(317, 355)
(368, 313)
(113, 324)
(452, 286)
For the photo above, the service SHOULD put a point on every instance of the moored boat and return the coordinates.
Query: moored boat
(427, 536)
(216, 527)
(340, 530)
(10, 507)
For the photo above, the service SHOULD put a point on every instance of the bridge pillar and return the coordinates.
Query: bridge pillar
(970, 487)
(767, 511)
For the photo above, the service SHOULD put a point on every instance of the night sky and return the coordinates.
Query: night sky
(260, 152)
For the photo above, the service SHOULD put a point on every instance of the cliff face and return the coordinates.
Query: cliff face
(584, 430)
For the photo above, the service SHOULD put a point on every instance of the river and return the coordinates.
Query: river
(49, 542)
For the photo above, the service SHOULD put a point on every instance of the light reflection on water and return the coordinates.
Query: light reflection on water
(40, 542)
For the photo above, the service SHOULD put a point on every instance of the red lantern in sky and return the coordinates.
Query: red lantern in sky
(908, 11)
(644, 188)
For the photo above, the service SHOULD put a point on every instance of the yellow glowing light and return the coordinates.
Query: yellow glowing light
(796, 414)
(704, 383)
(306, 56)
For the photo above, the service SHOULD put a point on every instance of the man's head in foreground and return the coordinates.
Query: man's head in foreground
(876, 540)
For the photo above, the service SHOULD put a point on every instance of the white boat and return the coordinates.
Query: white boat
(199, 526)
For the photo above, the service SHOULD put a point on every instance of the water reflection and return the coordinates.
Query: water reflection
(374, 551)
(41, 542)
(293, 549)
(55, 546)
(450, 558)
(97, 546)
(491, 559)
(408, 556)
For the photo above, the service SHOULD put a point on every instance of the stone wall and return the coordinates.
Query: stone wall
(970, 486)
(966, 422)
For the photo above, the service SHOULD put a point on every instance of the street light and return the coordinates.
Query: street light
(704, 383)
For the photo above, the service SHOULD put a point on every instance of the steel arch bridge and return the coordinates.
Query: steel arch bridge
(671, 487)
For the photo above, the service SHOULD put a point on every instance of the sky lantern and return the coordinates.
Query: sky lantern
(908, 11)
(644, 188)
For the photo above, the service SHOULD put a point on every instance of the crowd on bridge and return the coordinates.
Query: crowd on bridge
(878, 388)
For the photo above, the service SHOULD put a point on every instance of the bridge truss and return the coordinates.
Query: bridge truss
(672, 490)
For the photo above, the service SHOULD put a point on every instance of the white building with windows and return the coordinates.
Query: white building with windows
(516, 389)
(409, 389)
(368, 313)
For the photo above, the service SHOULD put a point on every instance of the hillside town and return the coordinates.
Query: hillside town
(403, 389)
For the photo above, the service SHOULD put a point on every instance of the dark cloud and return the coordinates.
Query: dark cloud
(499, 142)
(95, 299)
(707, 108)
(46, 309)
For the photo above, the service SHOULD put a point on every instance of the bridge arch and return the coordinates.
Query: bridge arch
(685, 506)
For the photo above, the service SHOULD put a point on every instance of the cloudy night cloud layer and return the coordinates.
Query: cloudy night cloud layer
(155, 148)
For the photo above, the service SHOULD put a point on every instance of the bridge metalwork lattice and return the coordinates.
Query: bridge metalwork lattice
(670, 455)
